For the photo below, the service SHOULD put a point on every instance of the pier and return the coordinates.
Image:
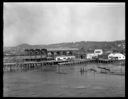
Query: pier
(43, 65)
(24, 66)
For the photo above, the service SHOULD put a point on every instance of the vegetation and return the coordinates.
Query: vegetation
(115, 46)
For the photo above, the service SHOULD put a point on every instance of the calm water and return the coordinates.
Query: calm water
(69, 83)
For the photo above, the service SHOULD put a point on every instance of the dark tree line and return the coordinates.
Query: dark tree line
(35, 52)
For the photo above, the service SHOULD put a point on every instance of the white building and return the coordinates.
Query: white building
(91, 55)
(64, 58)
(117, 56)
(98, 51)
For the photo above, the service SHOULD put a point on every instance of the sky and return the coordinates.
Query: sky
(50, 23)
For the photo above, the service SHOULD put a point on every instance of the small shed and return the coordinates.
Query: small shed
(98, 51)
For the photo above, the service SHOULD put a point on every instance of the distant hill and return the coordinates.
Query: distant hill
(24, 45)
(86, 45)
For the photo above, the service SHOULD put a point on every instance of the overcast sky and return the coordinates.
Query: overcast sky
(47, 23)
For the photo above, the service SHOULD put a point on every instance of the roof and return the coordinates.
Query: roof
(116, 54)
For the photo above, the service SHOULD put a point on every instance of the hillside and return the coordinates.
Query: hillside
(89, 45)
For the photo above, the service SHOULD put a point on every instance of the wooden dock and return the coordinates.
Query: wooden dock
(25, 66)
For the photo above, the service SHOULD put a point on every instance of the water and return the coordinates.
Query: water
(69, 83)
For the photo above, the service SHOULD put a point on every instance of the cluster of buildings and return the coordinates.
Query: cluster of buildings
(61, 54)
(98, 53)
